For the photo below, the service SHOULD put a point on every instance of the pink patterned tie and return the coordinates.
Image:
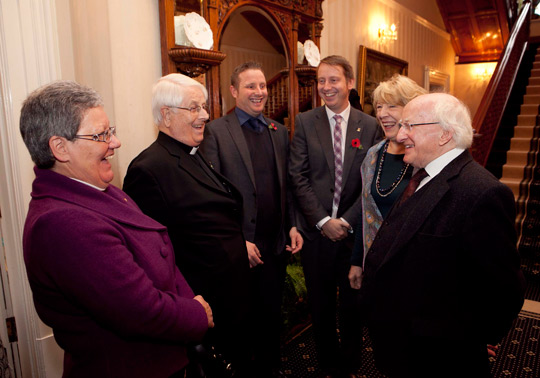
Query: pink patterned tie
(338, 160)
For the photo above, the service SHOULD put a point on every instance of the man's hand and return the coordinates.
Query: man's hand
(492, 350)
(296, 241)
(208, 310)
(254, 255)
(335, 229)
(355, 276)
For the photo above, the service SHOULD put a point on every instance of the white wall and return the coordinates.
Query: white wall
(471, 83)
(116, 50)
(351, 23)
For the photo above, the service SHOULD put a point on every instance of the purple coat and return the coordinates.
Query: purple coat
(103, 276)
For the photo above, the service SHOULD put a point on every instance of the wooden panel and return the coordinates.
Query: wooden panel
(462, 35)
(479, 28)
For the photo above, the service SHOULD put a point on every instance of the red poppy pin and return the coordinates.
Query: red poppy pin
(272, 127)
(355, 143)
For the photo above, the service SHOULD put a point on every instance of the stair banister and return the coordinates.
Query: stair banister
(489, 114)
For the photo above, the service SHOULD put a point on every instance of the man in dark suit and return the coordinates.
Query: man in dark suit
(325, 173)
(442, 278)
(251, 151)
(172, 183)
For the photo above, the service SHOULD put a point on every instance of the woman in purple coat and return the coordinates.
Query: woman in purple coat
(102, 273)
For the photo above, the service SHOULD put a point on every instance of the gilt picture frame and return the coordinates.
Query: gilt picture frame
(436, 81)
(373, 68)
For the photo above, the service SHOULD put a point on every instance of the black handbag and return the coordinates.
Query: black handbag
(207, 362)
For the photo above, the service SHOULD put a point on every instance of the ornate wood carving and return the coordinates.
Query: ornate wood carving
(287, 14)
(193, 62)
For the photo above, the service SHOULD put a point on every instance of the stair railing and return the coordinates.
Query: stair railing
(489, 114)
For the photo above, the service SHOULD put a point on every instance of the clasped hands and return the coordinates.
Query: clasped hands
(335, 229)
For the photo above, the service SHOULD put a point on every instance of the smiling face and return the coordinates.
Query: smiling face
(423, 143)
(184, 125)
(251, 94)
(88, 160)
(388, 116)
(333, 87)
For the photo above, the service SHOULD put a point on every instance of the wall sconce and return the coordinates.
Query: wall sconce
(484, 72)
(387, 33)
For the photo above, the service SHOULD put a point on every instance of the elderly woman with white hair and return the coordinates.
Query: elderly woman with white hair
(102, 273)
(173, 183)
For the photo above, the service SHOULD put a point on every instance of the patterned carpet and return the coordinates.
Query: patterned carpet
(518, 355)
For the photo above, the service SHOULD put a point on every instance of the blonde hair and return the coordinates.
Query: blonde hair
(398, 90)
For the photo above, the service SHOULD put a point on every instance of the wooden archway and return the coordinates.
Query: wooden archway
(294, 20)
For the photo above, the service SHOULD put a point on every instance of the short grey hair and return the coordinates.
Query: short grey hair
(169, 91)
(55, 109)
(453, 114)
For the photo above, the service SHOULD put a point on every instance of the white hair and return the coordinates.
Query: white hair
(170, 91)
(453, 114)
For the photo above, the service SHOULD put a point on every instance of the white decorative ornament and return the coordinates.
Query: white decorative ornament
(198, 31)
(300, 52)
(312, 53)
(180, 37)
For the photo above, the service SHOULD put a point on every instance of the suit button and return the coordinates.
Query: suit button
(164, 251)
(253, 221)
(331, 190)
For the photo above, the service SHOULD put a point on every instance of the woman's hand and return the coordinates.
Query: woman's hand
(208, 310)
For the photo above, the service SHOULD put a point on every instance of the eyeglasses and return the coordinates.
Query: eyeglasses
(104, 137)
(193, 109)
(408, 126)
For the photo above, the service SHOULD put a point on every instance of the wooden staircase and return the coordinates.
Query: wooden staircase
(517, 158)
(278, 90)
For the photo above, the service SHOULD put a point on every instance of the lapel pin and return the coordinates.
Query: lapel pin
(358, 129)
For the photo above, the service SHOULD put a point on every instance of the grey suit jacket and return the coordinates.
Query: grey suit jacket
(226, 149)
(311, 166)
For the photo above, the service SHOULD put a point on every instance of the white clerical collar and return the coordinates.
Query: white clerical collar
(194, 150)
(90, 185)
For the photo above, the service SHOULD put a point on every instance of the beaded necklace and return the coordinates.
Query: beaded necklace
(395, 184)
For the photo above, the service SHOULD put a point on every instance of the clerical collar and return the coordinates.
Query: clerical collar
(243, 117)
(188, 149)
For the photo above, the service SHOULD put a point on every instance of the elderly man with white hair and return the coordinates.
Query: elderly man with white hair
(173, 183)
(442, 278)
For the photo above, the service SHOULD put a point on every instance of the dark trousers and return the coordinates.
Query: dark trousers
(428, 357)
(326, 267)
(266, 297)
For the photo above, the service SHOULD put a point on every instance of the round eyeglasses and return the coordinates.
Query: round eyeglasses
(104, 137)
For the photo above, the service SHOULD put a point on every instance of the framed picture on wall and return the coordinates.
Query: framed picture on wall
(374, 67)
(436, 81)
